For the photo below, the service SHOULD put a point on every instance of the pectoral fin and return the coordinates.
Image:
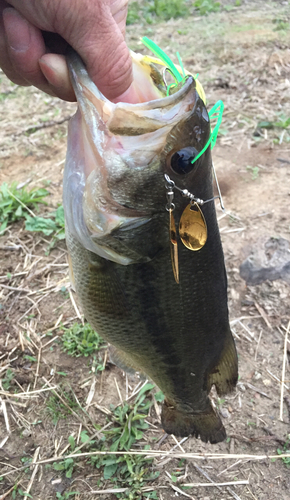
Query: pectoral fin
(122, 360)
(132, 241)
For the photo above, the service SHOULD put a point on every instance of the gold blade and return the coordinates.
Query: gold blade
(192, 228)
(173, 246)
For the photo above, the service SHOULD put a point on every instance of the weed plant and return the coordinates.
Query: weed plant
(133, 472)
(50, 227)
(81, 340)
(6, 381)
(14, 203)
(286, 449)
(56, 409)
(206, 6)
(156, 10)
(130, 471)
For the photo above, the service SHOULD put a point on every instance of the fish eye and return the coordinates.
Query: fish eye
(181, 161)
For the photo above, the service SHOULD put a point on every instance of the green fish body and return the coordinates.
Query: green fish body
(117, 231)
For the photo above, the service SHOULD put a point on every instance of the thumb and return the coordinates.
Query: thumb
(99, 40)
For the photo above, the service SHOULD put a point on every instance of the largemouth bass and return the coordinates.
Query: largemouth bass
(117, 231)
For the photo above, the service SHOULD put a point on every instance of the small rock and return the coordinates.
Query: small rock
(267, 382)
(26, 432)
(234, 294)
(270, 260)
(224, 413)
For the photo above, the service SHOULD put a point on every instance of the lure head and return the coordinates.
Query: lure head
(118, 155)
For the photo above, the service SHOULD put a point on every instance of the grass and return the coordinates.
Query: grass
(66, 466)
(16, 203)
(206, 6)
(282, 122)
(48, 226)
(56, 409)
(286, 449)
(254, 172)
(81, 340)
(19, 492)
(131, 472)
(19, 203)
(163, 10)
(156, 10)
(66, 495)
(122, 471)
(281, 24)
(6, 381)
(129, 422)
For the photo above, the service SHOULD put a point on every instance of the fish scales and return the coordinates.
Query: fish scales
(178, 334)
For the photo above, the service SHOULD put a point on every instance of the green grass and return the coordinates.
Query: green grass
(66, 466)
(66, 495)
(129, 422)
(156, 10)
(132, 472)
(18, 492)
(81, 340)
(282, 122)
(48, 226)
(6, 381)
(10, 94)
(281, 24)
(15, 203)
(56, 409)
(206, 6)
(162, 10)
(286, 449)
(254, 171)
(117, 471)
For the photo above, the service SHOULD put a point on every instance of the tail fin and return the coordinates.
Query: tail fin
(207, 425)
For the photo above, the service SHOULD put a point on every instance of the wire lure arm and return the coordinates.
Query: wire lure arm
(170, 186)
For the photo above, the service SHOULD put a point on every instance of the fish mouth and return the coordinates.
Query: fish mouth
(131, 134)
(154, 111)
(111, 143)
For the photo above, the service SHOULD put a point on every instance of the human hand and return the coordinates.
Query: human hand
(34, 35)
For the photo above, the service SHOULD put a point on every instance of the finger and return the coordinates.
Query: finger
(119, 9)
(99, 40)
(27, 54)
(55, 70)
(5, 63)
(91, 29)
(25, 47)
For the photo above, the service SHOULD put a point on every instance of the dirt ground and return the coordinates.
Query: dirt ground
(242, 55)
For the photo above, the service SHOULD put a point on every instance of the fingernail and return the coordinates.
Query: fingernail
(16, 29)
(49, 69)
(54, 68)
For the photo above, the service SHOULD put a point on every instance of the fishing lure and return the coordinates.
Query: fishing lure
(192, 225)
